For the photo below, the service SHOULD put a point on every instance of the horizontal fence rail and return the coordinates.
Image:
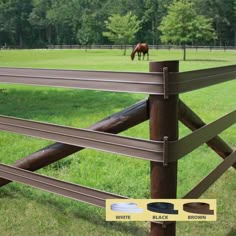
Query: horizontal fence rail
(108, 46)
(169, 47)
(84, 74)
(192, 80)
(150, 83)
(94, 80)
(73, 191)
(148, 150)
(139, 148)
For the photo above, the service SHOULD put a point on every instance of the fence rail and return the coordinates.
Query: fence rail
(150, 83)
(130, 47)
(94, 80)
(148, 150)
(157, 47)
(192, 141)
(66, 189)
(139, 148)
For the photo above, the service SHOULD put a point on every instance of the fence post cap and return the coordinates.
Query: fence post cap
(157, 66)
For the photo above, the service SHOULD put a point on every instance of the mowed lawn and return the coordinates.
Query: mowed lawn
(26, 211)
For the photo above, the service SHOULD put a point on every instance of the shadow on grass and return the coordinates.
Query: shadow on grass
(232, 232)
(47, 103)
(204, 60)
(76, 209)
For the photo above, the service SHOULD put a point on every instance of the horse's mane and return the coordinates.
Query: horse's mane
(137, 47)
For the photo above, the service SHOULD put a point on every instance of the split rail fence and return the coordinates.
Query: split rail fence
(163, 108)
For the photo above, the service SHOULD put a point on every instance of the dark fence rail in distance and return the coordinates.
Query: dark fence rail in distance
(108, 46)
(157, 47)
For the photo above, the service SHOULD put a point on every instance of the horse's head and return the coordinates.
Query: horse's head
(132, 56)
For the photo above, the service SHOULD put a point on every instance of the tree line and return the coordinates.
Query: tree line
(38, 23)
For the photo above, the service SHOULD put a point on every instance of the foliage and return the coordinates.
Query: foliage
(14, 23)
(85, 34)
(122, 29)
(183, 25)
(223, 14)
(37, 23)
(154, 11)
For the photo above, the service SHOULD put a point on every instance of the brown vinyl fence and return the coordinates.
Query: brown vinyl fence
(163, 108)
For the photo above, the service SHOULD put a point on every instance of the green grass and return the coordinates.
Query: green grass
(26, 211)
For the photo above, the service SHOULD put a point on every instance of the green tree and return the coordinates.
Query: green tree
(223, 15)
(183, 25)
(34, 23)
(122, 29)
(14, 21)
(85, 31)
(38, 20)
(63, 16)
(90, 24)
(154, 11)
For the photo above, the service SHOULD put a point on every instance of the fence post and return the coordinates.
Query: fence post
(163, 122)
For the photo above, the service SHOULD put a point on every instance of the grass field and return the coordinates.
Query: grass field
(26, 211)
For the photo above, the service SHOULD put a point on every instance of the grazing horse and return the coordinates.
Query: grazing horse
(140, 48)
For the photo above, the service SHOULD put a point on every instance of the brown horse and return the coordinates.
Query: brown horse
(141, 48)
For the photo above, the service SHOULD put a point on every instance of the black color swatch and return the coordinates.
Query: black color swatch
(162, 207)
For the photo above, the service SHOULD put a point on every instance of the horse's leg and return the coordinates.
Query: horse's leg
(139, 56)
(147, 56)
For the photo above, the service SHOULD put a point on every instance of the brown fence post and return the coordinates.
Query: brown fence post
(163, 122)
